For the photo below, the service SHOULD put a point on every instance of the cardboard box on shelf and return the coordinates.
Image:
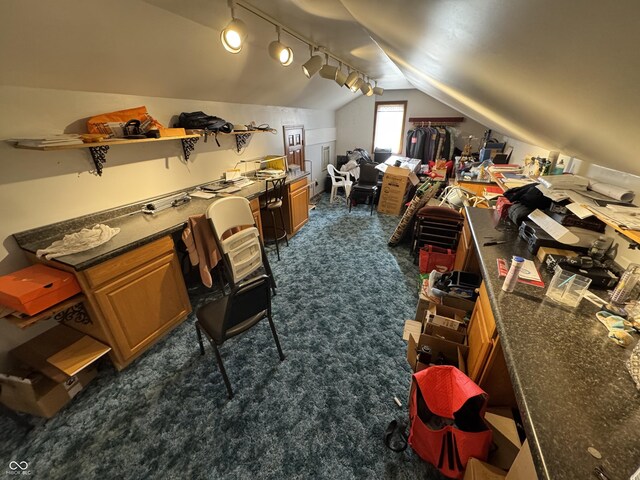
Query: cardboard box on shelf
(26, 390)
(36, 288)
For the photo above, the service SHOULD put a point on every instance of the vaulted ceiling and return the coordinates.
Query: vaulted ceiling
(561, 75)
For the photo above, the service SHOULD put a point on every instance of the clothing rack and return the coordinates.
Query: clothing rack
(435, 121)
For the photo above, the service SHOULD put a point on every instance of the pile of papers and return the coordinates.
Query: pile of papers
(50, 140)
(270, 173)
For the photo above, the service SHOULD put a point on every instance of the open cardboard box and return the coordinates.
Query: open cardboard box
(522, 468)
(50, 370)
(449, 317)
(26, 390)
(451, 350)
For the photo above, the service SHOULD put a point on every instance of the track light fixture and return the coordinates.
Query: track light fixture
(340, 76)
(280, 52)
(356, 86)
(378, 90)
(328, 71)
(366, 89)
(234, 34)
(351, 80)
(313, 65)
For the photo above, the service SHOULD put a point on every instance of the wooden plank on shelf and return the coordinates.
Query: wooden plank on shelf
(78, 355)
(27, 321)
(58, 343)
(121, 141)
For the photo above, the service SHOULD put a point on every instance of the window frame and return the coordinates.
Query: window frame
(375, 120)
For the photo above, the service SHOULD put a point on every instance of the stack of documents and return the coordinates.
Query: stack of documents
(50, 140)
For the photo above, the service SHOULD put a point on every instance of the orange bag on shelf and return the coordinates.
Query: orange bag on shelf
(112, 123)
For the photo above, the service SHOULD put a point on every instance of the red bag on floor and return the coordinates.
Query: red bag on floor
(436, 258)
(446, 410)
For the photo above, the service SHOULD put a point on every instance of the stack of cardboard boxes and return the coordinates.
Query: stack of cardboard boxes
(441, 327)
(51, 368)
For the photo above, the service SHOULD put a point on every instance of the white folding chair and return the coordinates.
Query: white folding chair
(242, 251)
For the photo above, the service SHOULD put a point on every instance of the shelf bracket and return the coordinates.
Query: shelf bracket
(99, 156)
(188, 145)
(242, 140)
(75, 313)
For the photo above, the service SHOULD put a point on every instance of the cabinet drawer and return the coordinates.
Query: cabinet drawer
(298, 184)
(126, 262)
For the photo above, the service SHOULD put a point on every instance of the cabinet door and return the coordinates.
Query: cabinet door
(479, 344)
(299, 208)
(462, 250)
(255, 210)
(142, 305)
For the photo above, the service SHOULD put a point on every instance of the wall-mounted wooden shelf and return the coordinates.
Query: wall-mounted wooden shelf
(243, 136)
(99, 150)
(422, 121)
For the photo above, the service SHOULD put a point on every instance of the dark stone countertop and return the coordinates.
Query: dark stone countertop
(136, 228)
(571, 384)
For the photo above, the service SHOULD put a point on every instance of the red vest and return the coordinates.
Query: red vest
(446, 410)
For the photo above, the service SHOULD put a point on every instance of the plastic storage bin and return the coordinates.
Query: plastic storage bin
(567, 288)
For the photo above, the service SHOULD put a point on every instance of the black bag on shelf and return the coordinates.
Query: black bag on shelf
(202, 121)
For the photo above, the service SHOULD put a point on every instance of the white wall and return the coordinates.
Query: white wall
(355, 120)
(38, 188)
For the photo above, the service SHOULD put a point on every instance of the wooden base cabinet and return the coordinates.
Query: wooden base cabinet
(486, 364)
(134, 299)
(296, 206)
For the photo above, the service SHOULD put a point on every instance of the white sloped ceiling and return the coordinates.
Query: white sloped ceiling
(559, 74)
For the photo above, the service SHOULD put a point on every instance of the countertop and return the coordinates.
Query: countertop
(571, 384)
(136, 228)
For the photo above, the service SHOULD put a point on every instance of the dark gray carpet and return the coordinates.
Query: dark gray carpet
(342, 300)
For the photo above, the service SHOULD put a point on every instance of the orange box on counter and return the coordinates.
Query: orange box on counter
(36, 288)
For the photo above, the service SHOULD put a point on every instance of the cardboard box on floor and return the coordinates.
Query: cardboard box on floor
(441, 315)
(28, 391)
(395, 183)
(452, 350)
(505, 437)
(522, 468)
(53, 368)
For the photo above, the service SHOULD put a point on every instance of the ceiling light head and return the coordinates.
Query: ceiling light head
(313, 65)
(351, 80)
(234, 34)
(328, 71)
(378, 90)
(354, 88)
(280, 52)
(340, 76)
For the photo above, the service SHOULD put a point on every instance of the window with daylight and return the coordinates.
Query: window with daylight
(388, 126)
